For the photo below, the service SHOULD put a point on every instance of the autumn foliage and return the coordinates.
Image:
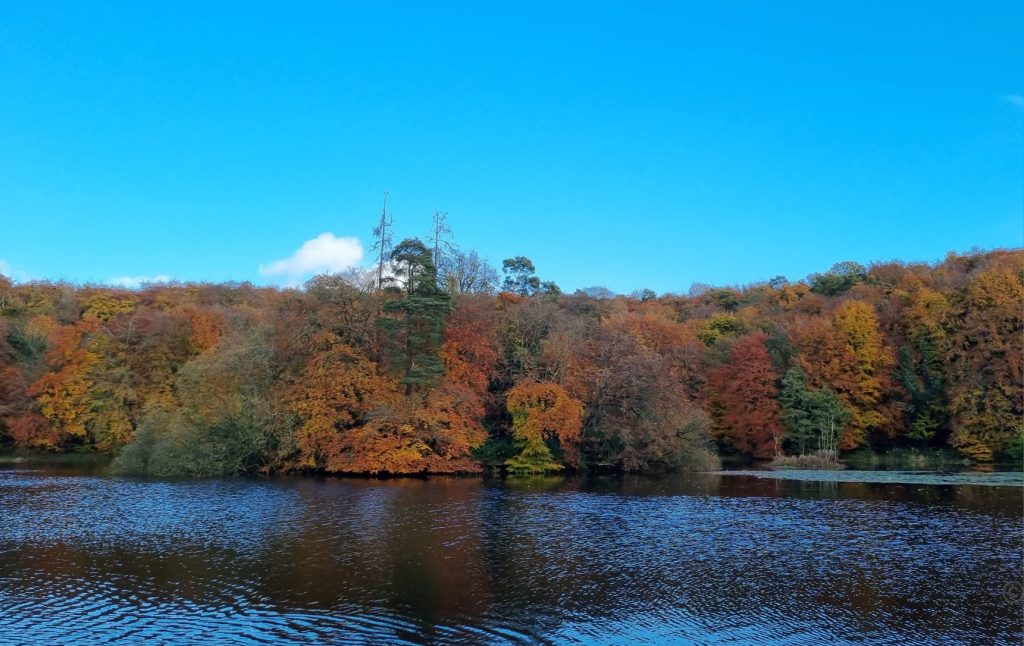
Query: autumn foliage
(744, 399)
(543, 413)
(438, 373)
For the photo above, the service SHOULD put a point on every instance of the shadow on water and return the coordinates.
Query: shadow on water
(703, 557)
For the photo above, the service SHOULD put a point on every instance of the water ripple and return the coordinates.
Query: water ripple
(695, 559)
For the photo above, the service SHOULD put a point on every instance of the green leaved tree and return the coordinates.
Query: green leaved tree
(814, 418)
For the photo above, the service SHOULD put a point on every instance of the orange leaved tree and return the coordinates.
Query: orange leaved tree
(745, 398)
(543, 412)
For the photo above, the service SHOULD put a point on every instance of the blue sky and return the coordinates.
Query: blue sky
(625, 144)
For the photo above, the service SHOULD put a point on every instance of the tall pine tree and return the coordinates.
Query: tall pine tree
(416, 321)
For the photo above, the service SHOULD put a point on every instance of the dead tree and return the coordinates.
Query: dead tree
(441, 239)
(383, 241)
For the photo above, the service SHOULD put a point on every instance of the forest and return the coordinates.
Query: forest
(434, 362)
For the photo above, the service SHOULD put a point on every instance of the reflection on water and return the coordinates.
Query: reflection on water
(689, 558)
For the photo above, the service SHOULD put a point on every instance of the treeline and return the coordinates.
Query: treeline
(432, 363)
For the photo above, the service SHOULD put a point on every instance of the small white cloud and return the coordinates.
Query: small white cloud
(1014, 99)
(323, 254)
(17, 275)
(134, 282)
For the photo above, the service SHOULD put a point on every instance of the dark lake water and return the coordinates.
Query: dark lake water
(687, 559)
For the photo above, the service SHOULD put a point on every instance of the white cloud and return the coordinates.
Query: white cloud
(323, 254)
(1014, 99)
(17, 275)
(134, 282)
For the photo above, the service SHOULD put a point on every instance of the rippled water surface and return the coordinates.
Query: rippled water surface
(717, 558)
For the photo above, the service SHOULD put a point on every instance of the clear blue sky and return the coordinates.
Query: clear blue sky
(627, 144)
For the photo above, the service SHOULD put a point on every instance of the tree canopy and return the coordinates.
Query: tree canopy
(436, 371)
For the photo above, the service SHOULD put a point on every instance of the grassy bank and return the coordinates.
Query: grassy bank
(813, 462)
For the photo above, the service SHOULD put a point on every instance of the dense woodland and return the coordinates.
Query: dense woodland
(432, 362)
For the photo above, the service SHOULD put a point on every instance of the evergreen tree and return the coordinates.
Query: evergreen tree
(417, 319)
(813, 417)
(520, 276)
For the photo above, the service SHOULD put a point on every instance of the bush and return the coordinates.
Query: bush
(176, 443)
(1014, 451)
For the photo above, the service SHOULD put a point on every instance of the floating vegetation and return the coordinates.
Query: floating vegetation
(991, 478)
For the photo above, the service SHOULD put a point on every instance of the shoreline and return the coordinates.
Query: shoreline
(761, 469)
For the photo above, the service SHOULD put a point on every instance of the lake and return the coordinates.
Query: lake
(692, 558)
